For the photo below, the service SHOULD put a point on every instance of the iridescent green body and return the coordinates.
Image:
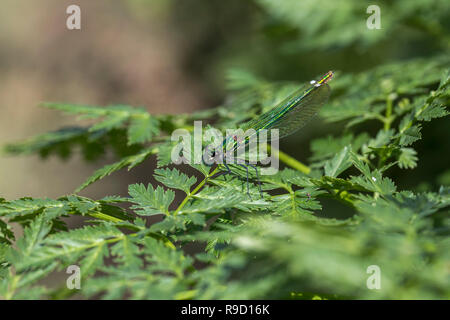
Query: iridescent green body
(290, 115)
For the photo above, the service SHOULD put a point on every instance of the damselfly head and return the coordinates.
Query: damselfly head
(212, 155)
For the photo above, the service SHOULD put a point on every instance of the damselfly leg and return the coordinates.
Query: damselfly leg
(223, 173)
(257, 178)
(248, 185)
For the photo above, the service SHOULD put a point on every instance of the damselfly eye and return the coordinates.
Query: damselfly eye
(210, 152)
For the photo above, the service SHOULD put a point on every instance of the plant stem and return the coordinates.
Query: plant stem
(193, 192)
(105, 217)
(388, 120)
(293, 163)
(12, 286)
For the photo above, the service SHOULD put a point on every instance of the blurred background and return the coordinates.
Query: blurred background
(171, 56)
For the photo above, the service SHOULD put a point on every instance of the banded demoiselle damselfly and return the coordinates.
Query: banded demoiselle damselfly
(287, 117)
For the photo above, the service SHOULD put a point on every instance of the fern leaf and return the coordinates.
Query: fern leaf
(130, 161)
(175, 179)
(149, 201)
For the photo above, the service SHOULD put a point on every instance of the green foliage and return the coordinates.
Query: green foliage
(340, 24)
(317, 228)
(142, 127)
(130, 162)
(150, 201)
(174, 179)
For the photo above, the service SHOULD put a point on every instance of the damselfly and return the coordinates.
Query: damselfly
(287, 117)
